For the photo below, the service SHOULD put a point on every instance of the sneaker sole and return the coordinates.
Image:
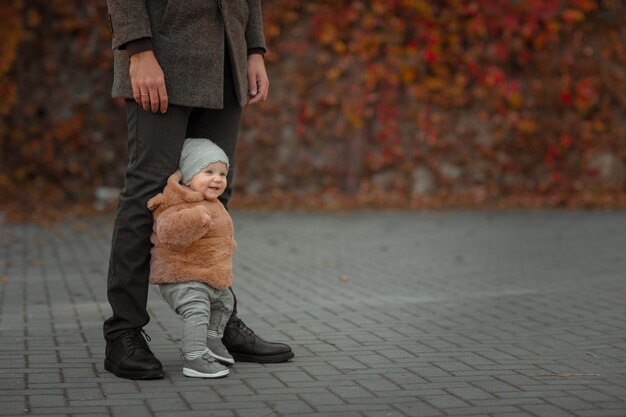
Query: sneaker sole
(221, 359)
(195, 374)
(111, 367)
(283, 357)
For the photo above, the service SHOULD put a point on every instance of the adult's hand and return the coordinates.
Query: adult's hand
(258, 83)
(148, 82)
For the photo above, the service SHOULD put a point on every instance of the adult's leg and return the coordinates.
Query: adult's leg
(154, 144)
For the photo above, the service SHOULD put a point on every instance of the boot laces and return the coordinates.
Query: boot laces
(241, 326)
(135, 339)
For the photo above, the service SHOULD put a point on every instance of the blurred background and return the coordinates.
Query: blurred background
(404, 104)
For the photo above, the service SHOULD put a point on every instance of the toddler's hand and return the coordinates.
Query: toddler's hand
(205, 217)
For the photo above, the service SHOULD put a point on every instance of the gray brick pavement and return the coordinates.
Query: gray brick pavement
(390, 314)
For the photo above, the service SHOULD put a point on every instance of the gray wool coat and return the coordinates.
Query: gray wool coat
(188, 42)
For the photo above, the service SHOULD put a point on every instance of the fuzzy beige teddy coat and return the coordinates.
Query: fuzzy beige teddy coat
(186, 247)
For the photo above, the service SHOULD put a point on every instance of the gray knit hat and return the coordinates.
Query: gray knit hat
(197, 154)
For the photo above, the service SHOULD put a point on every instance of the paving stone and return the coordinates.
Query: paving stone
(592, 395)
(71, 409)
(382, 413)
(290, 407)
(44, 400)
(601, 413)
(13, 407)
(295, 376)
(547, 411)
(167, 404)
(417, 408)
(445, 401)
(482, 411)
(134, 411)
(470, 394)
(87, 414)
(331, 414)
(351, 392)
(318, 399)
(573, 403)
(200, 397)
(495, 386)
(516, 401)
(259, 410)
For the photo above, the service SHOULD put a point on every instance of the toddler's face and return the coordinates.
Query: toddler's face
(211, 181)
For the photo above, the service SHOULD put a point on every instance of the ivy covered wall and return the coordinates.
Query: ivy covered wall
(376, 103)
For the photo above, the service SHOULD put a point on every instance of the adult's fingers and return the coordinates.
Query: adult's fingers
(154, 101)
(163, 99)
(136, 94)
(255, 99)
(252, 85)
(154, 98)
(262, 88)
(145, 100)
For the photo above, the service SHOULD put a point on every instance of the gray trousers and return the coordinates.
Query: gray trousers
(155, 141)
(202, 308)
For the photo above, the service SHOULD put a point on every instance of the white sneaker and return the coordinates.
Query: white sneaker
(219, 351)
(203, 367)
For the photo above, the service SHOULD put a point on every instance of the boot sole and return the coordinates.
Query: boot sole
(283, 357)
(111, 367)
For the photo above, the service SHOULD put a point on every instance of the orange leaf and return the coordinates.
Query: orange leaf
(572, 15)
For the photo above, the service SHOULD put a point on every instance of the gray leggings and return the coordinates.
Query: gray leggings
(202, 308)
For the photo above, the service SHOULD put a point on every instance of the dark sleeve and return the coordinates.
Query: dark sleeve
(254, 29)
(260, 51)
(129, 21)
(139, 45)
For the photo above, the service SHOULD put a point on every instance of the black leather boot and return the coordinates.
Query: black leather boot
(129, 357)
(245, 346)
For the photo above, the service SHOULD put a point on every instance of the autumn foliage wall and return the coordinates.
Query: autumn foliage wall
(405, 103)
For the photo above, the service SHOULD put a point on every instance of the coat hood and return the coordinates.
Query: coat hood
(173, 194)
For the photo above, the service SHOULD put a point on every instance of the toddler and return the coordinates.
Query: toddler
(192, 255)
